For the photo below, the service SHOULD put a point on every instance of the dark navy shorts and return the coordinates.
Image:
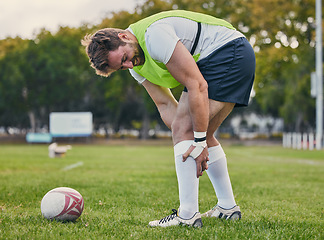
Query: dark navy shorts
(229, 72)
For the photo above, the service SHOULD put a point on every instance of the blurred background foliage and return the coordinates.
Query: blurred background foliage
(51, 72)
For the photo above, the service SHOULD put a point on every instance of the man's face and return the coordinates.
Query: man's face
(126, 57)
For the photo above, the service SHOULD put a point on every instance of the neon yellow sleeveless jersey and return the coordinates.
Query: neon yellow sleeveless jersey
(157, 72)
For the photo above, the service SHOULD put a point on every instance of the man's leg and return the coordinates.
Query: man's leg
(217, 164)
(188, 182)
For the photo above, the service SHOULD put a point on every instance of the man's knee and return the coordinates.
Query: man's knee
(182, 128)
(211, 139)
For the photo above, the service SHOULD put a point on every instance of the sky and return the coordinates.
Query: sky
(25, 18)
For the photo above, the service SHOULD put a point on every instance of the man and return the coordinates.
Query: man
(215, 63)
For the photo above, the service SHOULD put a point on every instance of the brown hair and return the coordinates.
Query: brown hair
(98, 47)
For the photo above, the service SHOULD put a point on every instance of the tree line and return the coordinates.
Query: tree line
(51, 72)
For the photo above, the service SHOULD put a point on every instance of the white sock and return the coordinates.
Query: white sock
(218, 175)
(188, 182)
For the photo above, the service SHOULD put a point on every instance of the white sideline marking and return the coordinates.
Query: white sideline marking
(309, 162)
(293, 161)
(75, 165)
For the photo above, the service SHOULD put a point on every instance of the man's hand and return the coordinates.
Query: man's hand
(201, 160)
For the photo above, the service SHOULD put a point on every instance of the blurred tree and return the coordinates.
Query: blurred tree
(12, 92)
(284, 43)
(51, 74)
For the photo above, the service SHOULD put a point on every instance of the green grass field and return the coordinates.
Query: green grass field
(280, 192)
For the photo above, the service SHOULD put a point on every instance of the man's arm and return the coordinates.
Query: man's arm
(164, 100)
(185, 70)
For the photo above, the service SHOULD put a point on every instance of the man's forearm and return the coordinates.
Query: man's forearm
(199, 108)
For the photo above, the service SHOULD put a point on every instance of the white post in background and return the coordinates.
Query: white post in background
(305, 145)
(318, 141)
(294, 140)
(299, 141)
(319, 75)
(288, 139)
(284, 141)
(311, 141)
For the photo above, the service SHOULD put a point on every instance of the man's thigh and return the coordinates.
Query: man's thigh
(182, 124)
(218, 112)
(182, 127)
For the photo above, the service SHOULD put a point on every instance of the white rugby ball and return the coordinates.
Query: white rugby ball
(63, 204)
